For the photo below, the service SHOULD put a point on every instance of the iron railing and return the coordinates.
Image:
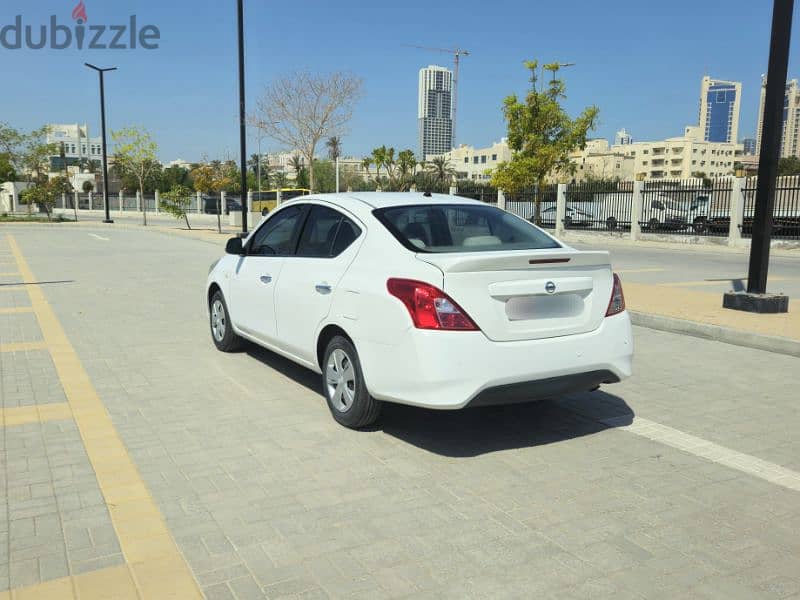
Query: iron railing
(476, 191)
(785, 213)
(597, 205)
(687, 206)
(523, 203)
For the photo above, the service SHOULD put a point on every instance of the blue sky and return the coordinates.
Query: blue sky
(639, 62)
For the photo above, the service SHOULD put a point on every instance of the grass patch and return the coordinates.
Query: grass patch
(6, 218)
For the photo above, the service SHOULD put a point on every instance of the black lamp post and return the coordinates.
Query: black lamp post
(242, 117)
(101, 72)
(756, 299)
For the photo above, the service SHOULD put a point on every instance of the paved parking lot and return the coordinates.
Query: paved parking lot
(225, 475)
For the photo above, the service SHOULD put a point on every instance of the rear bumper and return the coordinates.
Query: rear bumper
(453, 369)
(543, 389)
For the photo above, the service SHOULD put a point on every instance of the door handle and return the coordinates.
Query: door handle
(266, 279)
(323, 288)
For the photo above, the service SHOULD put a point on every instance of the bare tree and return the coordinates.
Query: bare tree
(301, 109)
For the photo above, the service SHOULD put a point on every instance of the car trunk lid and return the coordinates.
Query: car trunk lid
(526, 295)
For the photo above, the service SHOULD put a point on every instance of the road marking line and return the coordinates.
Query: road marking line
(157, 566)
(745, 463)
(16, 310)
(647, 270)
(100, 237)
(23, 415)
(23, 346)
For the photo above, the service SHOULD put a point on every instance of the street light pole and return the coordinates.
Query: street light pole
(101, 72)
(756, 298)
(242, 115)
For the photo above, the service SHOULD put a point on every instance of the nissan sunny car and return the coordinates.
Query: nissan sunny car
(430, 300)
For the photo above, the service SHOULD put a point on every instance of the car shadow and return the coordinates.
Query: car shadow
(475, 431)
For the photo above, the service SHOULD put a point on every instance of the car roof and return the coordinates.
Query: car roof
(387, 199)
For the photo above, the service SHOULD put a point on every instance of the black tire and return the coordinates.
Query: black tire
(567, 222)
(700, 225)
(222, 334)
(353, 407)
(654, 224)
(611, 223)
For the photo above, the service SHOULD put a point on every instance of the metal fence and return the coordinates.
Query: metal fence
(687, 207)
(484, 193)
(523, 204)
(604, 206)
(785, 213)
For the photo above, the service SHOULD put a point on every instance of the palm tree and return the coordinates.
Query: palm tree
(297, 164)
(334, 145)
(378, 157)
(406, 164)
(441, 170)
(389, 163)
(280, 180)
(365, 164)
(253, 163)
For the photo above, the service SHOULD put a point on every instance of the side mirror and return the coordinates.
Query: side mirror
(235, 246)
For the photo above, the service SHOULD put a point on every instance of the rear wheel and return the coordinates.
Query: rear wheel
(225, 339)
(700, 225)
(345, 390)
(653, 225)
(611, 223)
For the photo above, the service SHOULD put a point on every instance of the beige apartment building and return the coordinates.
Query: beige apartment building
(680, 157)
(598, 161)
(476, 164)
(790, 143)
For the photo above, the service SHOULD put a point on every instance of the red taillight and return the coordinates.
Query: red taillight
(617, 303)
(430, 307)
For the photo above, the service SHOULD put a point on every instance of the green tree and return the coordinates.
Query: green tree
(541, 134)
(212, 177)
(789, 166)
(135, 157)
(325, 174)
(378, 159)
(334, 145)
(366, 163)
(296, 162)
(7, 171)
(280, 180)
(176, 202)
(172, 176)
(440, 170)
(87, 187)
(406, 166)
(44, 193)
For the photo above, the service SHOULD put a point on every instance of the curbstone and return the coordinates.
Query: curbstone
(736, 337)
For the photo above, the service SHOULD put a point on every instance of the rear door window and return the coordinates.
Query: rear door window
(461, 228)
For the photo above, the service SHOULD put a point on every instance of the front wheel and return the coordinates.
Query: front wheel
(654, 224)
(345, 390)
(225, 339)
(700, 225)
(611, 223)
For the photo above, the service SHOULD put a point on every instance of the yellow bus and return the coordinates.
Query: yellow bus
(264, 202)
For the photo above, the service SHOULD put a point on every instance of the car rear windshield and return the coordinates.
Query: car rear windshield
(461, 228)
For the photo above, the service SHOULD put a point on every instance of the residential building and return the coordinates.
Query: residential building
(623, 138)
(9, 195)
(720, 102)
(476, 164)
(79, 147)
(680, 157)
(282, 162)
(434, 114)
(790, 144)
(179, 162)
(749, 146)
(598, 161)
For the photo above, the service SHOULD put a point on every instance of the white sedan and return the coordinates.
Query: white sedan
(430, 300)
